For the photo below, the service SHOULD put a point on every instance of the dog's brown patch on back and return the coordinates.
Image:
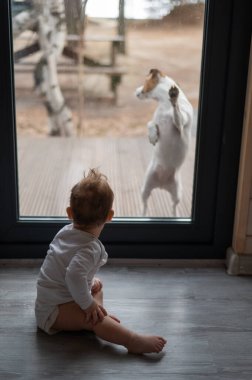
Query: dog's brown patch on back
(152, 80)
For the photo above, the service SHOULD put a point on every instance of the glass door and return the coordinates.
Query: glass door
(78, 68)
(127, 88)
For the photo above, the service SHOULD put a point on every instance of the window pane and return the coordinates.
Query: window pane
(109, 87)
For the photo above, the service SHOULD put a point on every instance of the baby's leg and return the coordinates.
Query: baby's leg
(114, 332)
(99, 299)
(72, 318)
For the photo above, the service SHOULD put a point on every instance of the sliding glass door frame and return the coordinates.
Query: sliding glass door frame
(222, 93)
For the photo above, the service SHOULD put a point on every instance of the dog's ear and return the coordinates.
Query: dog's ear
(151, 80)
(155, 73)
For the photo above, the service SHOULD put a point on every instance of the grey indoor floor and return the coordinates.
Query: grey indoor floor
(205, 314)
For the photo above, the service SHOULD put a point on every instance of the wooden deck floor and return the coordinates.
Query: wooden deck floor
(48, 167)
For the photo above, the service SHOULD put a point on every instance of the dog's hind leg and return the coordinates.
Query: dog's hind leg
(174, 208)
(148, 186)
(145, 193)
(175, 189)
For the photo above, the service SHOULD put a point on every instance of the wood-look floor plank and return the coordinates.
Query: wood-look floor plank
(205, 314)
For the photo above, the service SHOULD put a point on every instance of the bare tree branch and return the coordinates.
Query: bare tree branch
(23, 21)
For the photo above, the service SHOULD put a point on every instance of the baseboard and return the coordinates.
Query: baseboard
(238, 264)
(169, 263)
(28, 263)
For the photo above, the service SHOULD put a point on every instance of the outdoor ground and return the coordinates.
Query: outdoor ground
(173, 45)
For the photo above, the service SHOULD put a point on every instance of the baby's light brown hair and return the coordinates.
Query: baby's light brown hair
(91, 199)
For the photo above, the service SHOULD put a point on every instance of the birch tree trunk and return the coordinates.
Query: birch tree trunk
(51, 34)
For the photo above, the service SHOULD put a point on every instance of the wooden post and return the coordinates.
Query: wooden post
(75, 20)
(244, 193)
(239, 256)
(121, 27)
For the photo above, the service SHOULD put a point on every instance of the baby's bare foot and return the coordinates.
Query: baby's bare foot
(140, 344)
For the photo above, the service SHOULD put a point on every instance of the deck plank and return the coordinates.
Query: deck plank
(50, 166)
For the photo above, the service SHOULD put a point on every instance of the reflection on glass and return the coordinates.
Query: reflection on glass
(85, 97)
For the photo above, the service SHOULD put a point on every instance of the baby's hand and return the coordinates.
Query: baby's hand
(97, 286)
(95, 313)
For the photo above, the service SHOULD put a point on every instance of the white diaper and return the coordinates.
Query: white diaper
(46, 316)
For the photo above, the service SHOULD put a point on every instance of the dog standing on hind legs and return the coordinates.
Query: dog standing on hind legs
(169, 131)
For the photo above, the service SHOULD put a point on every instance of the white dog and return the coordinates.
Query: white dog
(169, 131)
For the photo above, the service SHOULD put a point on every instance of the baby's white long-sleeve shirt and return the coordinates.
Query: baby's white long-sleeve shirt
(68, 270)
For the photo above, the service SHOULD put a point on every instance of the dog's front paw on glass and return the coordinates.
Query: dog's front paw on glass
(173, 93)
